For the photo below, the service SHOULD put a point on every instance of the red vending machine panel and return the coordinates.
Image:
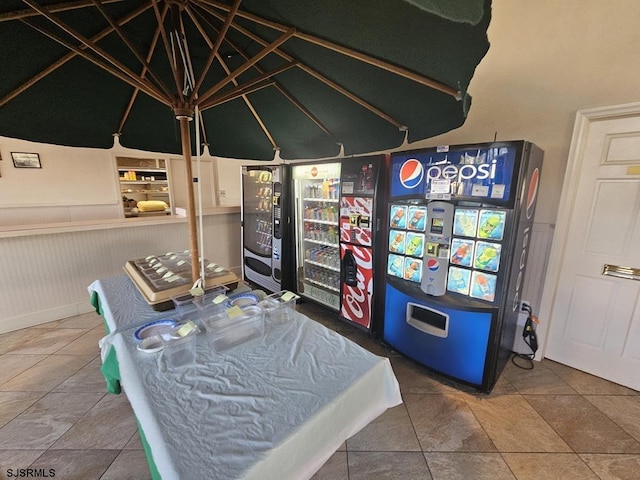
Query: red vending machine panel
(356, 220)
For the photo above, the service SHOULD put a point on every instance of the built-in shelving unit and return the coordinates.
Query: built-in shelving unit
(143, 179)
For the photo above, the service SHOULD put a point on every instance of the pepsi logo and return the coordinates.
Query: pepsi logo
(532, 194)
(411, 173)
(433, 265)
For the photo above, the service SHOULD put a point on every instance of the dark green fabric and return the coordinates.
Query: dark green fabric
(94, 299)
(79, 104)
(111, 372)
(155, 475)
(110, 368)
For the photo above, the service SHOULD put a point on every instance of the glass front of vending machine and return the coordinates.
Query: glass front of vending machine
(457, 243)
(316, 229)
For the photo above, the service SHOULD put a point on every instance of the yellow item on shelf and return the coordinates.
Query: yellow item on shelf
(152, 206)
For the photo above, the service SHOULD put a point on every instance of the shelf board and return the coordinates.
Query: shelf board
(323, 222)
(140, 169)
(141, 182)
(323, 265)
(326, 200)
(320, 242)
(324, 285)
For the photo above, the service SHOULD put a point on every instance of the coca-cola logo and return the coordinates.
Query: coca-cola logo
(356, 304)
(363, 236)
(362, 208)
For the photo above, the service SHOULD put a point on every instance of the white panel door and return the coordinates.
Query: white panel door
(595, 318)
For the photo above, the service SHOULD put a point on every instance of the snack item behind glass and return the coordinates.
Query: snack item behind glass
(413, 269)
(417, 218)
(398, 216)
(395, 265)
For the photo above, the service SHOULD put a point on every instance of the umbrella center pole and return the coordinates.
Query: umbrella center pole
(184, 116)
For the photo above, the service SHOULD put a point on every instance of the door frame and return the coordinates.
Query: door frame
(581, 128)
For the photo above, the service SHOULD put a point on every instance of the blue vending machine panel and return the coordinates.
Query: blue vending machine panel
(447, 339)
(452, 286)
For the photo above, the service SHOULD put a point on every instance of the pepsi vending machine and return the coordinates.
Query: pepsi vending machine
(460, 220)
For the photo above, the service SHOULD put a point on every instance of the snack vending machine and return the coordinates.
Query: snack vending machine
(460, 221)
(266, 227)
(337, 218)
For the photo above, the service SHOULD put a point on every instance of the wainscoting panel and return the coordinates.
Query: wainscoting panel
(45, 276)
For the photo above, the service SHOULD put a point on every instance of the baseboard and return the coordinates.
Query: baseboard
(44, 316)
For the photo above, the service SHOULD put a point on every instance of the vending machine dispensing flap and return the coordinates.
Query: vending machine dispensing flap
(349, 269)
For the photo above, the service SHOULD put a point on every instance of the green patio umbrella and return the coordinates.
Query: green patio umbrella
(296, 78)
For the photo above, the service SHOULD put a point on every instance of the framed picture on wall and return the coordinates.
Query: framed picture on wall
(26, 160)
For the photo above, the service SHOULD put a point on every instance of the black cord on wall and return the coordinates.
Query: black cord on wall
(525, 360)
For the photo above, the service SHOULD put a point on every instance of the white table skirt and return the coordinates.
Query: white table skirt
(275, 407)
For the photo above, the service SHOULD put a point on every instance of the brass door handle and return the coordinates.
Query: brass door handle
(628, 273)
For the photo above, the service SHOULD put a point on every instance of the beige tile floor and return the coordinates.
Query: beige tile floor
(552, 422)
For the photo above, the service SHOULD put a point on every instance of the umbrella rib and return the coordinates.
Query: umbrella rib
(250, 106)
(61, 7)
(54, 66)
(244, 97)
(95, 61)
(320, 77)
(214, 49)
(235, 93)
(134, 94)
(165, 41)
(351, 96)
(241, 88)
(203, 132)
(247, 65)
(421, 79)
(304, 110)
(127, 42)
(124, 71)
(279, 87)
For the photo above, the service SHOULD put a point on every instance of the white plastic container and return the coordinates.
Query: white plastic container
(279, 307)
(211, 303)
(189, 307)
(234, 326)
(180, 352)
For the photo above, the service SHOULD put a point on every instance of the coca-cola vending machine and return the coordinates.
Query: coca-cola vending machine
(362, 216)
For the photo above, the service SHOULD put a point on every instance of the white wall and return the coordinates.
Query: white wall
(69, 176)
(73, 184)
(547, 60)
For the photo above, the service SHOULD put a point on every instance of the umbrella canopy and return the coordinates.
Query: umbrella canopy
(304, 78)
